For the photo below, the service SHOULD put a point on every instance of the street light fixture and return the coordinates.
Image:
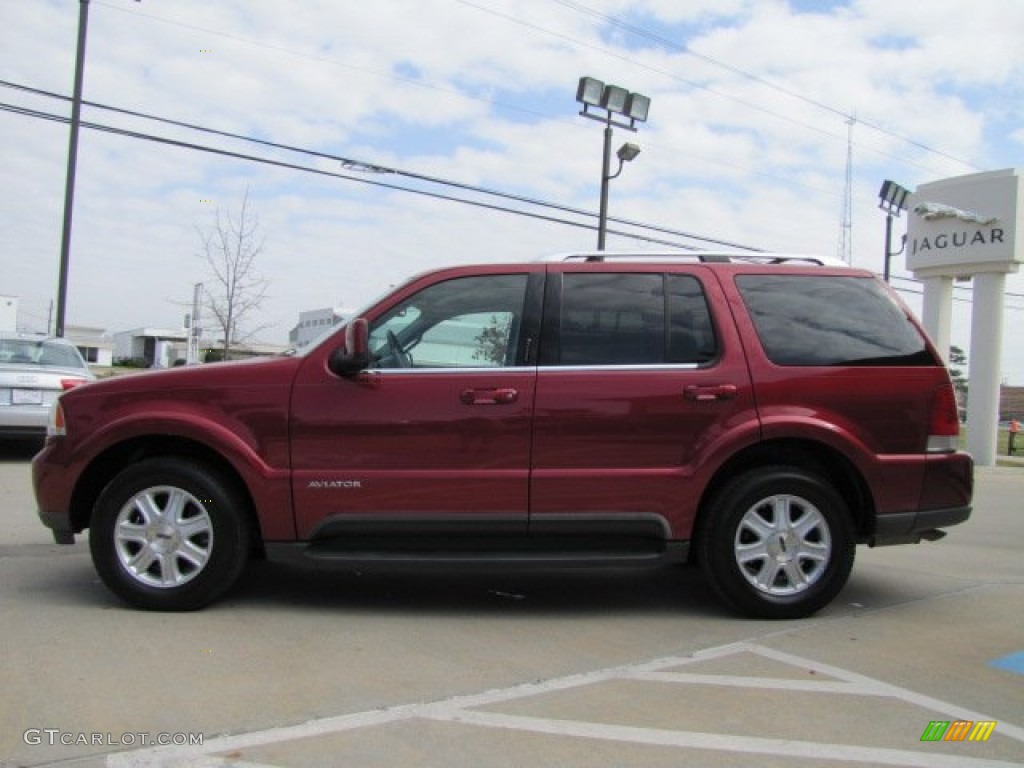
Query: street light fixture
(627, 153)
(892, 199)
(613, 100)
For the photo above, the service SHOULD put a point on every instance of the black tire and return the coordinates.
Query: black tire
(168, 534)
(777, 543)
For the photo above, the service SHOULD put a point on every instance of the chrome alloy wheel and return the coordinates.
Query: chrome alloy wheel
(782, 545)
(163, 537)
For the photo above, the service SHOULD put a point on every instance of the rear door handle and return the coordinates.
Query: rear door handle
(710, 392)
(500, 396)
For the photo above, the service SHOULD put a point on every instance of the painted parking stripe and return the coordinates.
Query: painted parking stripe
(723, 742)
(461, 709)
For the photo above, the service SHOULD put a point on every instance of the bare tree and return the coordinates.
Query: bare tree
(236, 290)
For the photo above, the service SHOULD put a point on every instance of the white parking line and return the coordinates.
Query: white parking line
(724, 742)
(461, 709)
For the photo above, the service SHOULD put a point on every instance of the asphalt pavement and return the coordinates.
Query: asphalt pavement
(297, 668)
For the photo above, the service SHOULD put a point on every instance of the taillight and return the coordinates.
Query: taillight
(67, 384)
(56, 426)
(944, 424)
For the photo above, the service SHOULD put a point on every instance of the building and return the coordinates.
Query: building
(1011, 402)
(8, 314)
(151, 347)
(96, 346)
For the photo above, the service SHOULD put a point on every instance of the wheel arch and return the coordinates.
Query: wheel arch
(808, 455)
(105, 466)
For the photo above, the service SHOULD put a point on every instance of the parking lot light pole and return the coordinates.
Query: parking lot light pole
(892, 199)
(614, 101)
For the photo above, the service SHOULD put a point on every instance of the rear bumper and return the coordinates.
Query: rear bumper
(24, 419)
(911, 527)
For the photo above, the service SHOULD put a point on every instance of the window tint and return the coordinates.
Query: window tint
(620, 319)
(470, 322)
(612, 319)
(812, 320)
(691, 335)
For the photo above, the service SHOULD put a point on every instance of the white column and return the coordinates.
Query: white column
(985, 368)
(937, 311)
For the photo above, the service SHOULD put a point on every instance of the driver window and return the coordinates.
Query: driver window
(469, 322)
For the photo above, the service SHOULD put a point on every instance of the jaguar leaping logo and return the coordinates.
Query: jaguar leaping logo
(930, 211)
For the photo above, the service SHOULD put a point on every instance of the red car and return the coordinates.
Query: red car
(758, 415)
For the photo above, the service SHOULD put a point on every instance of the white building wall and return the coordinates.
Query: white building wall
(9, 314)
(125, 345)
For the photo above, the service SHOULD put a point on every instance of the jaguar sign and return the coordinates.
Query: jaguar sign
(966, 228)
(965, 225)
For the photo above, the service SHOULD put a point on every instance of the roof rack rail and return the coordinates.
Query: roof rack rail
(704, 257)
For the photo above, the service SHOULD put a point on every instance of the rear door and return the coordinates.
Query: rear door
(642, 390)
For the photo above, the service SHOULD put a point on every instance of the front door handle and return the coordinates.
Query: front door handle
(710, 392)
(499, 396)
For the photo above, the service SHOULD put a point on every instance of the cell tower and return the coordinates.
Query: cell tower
(845, 250)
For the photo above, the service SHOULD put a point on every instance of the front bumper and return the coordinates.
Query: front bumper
(53, 485)
(59, 525)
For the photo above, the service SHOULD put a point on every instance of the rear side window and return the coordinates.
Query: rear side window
(634, 319)
(822, 320)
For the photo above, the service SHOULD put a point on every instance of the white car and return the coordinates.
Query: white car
(34, 370)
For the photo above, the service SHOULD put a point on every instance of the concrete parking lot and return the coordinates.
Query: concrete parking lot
(311, 669)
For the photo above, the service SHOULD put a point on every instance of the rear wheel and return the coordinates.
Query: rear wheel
(168, 534)
(778, 543)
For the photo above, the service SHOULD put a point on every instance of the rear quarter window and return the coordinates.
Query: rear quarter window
(821, 320)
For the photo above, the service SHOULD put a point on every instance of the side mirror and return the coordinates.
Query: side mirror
(354, 357)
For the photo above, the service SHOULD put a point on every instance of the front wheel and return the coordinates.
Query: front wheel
(777, 543)
(168, 534)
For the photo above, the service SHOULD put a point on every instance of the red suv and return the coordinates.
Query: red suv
(758, 415)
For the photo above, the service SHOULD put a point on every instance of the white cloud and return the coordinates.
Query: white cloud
(480, 92)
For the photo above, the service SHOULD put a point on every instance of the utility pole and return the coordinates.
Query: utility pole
(195, 329)
(69, 186)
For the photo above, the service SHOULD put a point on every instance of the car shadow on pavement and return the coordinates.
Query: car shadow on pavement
(669, 590)
(19, 450)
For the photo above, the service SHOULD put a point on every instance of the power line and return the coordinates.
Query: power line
(320, 172)
(420, 83)
(366, 166)
(682, 48)
(716, 92)
(956, 287)
(349, 162)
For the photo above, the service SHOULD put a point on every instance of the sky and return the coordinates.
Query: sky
(408, 115)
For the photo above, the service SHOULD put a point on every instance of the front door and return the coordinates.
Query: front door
(436, 433)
